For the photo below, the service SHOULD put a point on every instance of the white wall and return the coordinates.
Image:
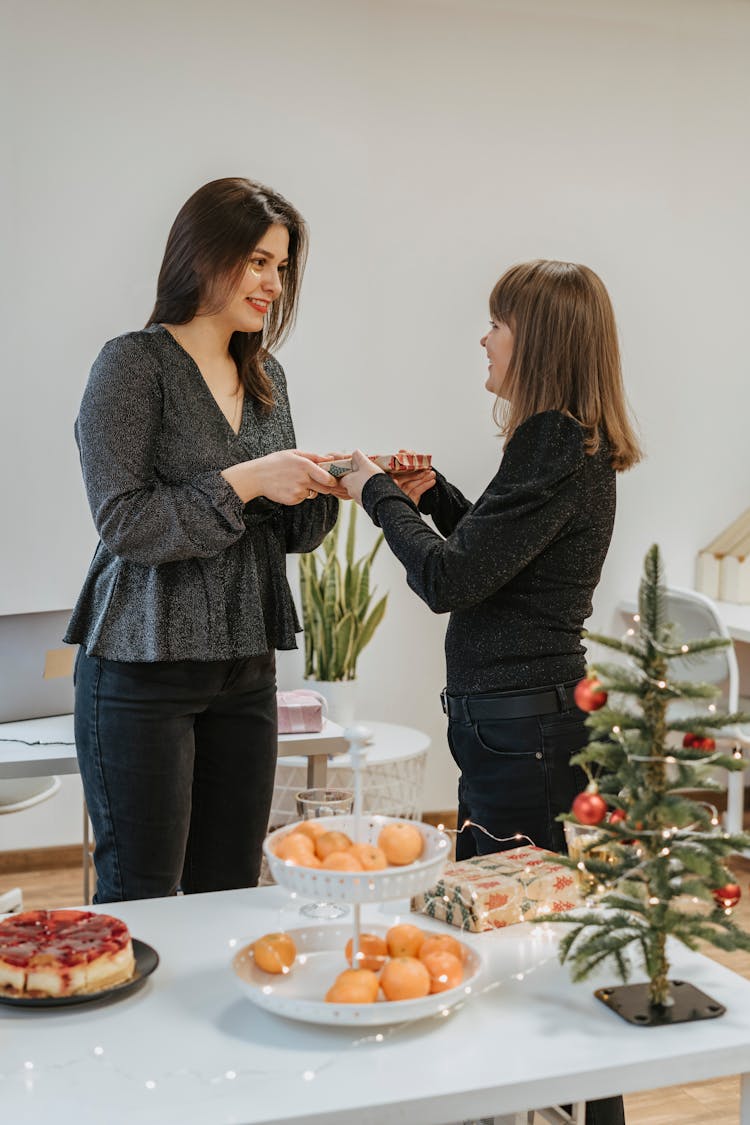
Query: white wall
(430, 145)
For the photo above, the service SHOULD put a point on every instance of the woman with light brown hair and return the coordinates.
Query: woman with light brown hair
(517, 570)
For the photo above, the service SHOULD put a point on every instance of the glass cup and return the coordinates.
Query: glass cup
(324, 802)
(578, 838)
(313, 803)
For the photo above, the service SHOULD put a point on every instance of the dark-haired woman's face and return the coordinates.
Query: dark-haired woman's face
(260, 284)
(498, 343)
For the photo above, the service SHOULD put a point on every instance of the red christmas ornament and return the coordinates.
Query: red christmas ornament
(728, 895)
(617, 816)
(589, 808)
(697, 742)
(589, 694)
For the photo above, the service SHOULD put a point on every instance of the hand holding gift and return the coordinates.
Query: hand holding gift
(411, 471)
(362, 469)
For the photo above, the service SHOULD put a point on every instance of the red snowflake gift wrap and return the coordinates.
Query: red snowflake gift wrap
(300, 712)
(489, 892)
(405, 461)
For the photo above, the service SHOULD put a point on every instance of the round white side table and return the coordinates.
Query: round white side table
(392, 778)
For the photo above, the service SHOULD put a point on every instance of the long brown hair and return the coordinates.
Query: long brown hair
(565, 354)
(207, 251)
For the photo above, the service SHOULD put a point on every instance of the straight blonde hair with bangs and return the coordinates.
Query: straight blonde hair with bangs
(565, 354)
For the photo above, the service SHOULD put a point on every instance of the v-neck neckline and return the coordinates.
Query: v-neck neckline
(184, 352)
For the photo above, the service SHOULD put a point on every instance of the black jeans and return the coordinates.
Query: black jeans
(516, 778)
(177, 760)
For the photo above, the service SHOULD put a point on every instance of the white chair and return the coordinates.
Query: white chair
(15, 796)
(697, 617)
(25, 792)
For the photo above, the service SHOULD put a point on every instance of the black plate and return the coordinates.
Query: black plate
(146, 960)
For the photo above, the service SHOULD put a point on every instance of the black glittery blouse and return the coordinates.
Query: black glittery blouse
(518, 569)
(184, 570)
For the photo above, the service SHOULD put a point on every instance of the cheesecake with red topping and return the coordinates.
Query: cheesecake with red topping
(47, 953)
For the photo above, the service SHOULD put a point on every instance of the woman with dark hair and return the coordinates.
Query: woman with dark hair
(197, 493)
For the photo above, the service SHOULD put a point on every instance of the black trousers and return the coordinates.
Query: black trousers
(177, 760)
(515, 779)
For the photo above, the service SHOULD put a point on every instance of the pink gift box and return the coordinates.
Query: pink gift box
(300, 712)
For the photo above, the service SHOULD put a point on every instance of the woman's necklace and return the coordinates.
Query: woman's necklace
(239, 398)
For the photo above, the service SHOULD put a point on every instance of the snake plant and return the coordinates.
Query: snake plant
(336, 600)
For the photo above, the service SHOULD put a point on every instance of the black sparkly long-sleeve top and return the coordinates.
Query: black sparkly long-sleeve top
(516, 570)
(184, 570)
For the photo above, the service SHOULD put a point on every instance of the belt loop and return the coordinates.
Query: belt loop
(562, 698)
(465, 708)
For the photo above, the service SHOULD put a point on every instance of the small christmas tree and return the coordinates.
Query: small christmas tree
(655, 853)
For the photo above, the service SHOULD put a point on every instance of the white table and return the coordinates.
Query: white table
(37, 747)
(190, 1049)
(392, 780)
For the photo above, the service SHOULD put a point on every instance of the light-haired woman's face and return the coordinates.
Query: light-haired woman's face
(498, 344)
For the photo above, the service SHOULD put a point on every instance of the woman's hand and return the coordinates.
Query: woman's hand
(287, 477)
(415, 484)
(338, 490)
(362, 469)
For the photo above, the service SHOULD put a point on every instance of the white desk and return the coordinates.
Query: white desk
(57, 752)
(38, 747)
(189, 1048)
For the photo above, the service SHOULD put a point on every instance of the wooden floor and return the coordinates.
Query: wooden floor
(704, 1103)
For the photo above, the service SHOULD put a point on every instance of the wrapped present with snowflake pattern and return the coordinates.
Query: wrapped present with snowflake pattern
(489, 892)
(405, 461)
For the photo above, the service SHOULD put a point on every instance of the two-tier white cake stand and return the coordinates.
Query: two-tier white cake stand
(300, 993)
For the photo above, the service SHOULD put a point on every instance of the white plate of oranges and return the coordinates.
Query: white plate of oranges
(405, 973)
(390, 858)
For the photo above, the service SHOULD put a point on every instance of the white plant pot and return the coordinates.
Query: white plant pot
(341, 697)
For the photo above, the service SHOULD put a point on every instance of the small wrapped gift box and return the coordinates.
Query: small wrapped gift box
(405, 461)
(489, 892)
(300, 712)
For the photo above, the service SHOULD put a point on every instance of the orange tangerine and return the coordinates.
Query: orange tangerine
(353, 986)
(341, 861)
(404, 978)
(329, 842)
(305, 860)
(441, 943)
(373, 952)
(296, 847)
(445, 971)
(402, 843)
(404, 940)
(274, 953)
(311, 828)
(370, 856)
